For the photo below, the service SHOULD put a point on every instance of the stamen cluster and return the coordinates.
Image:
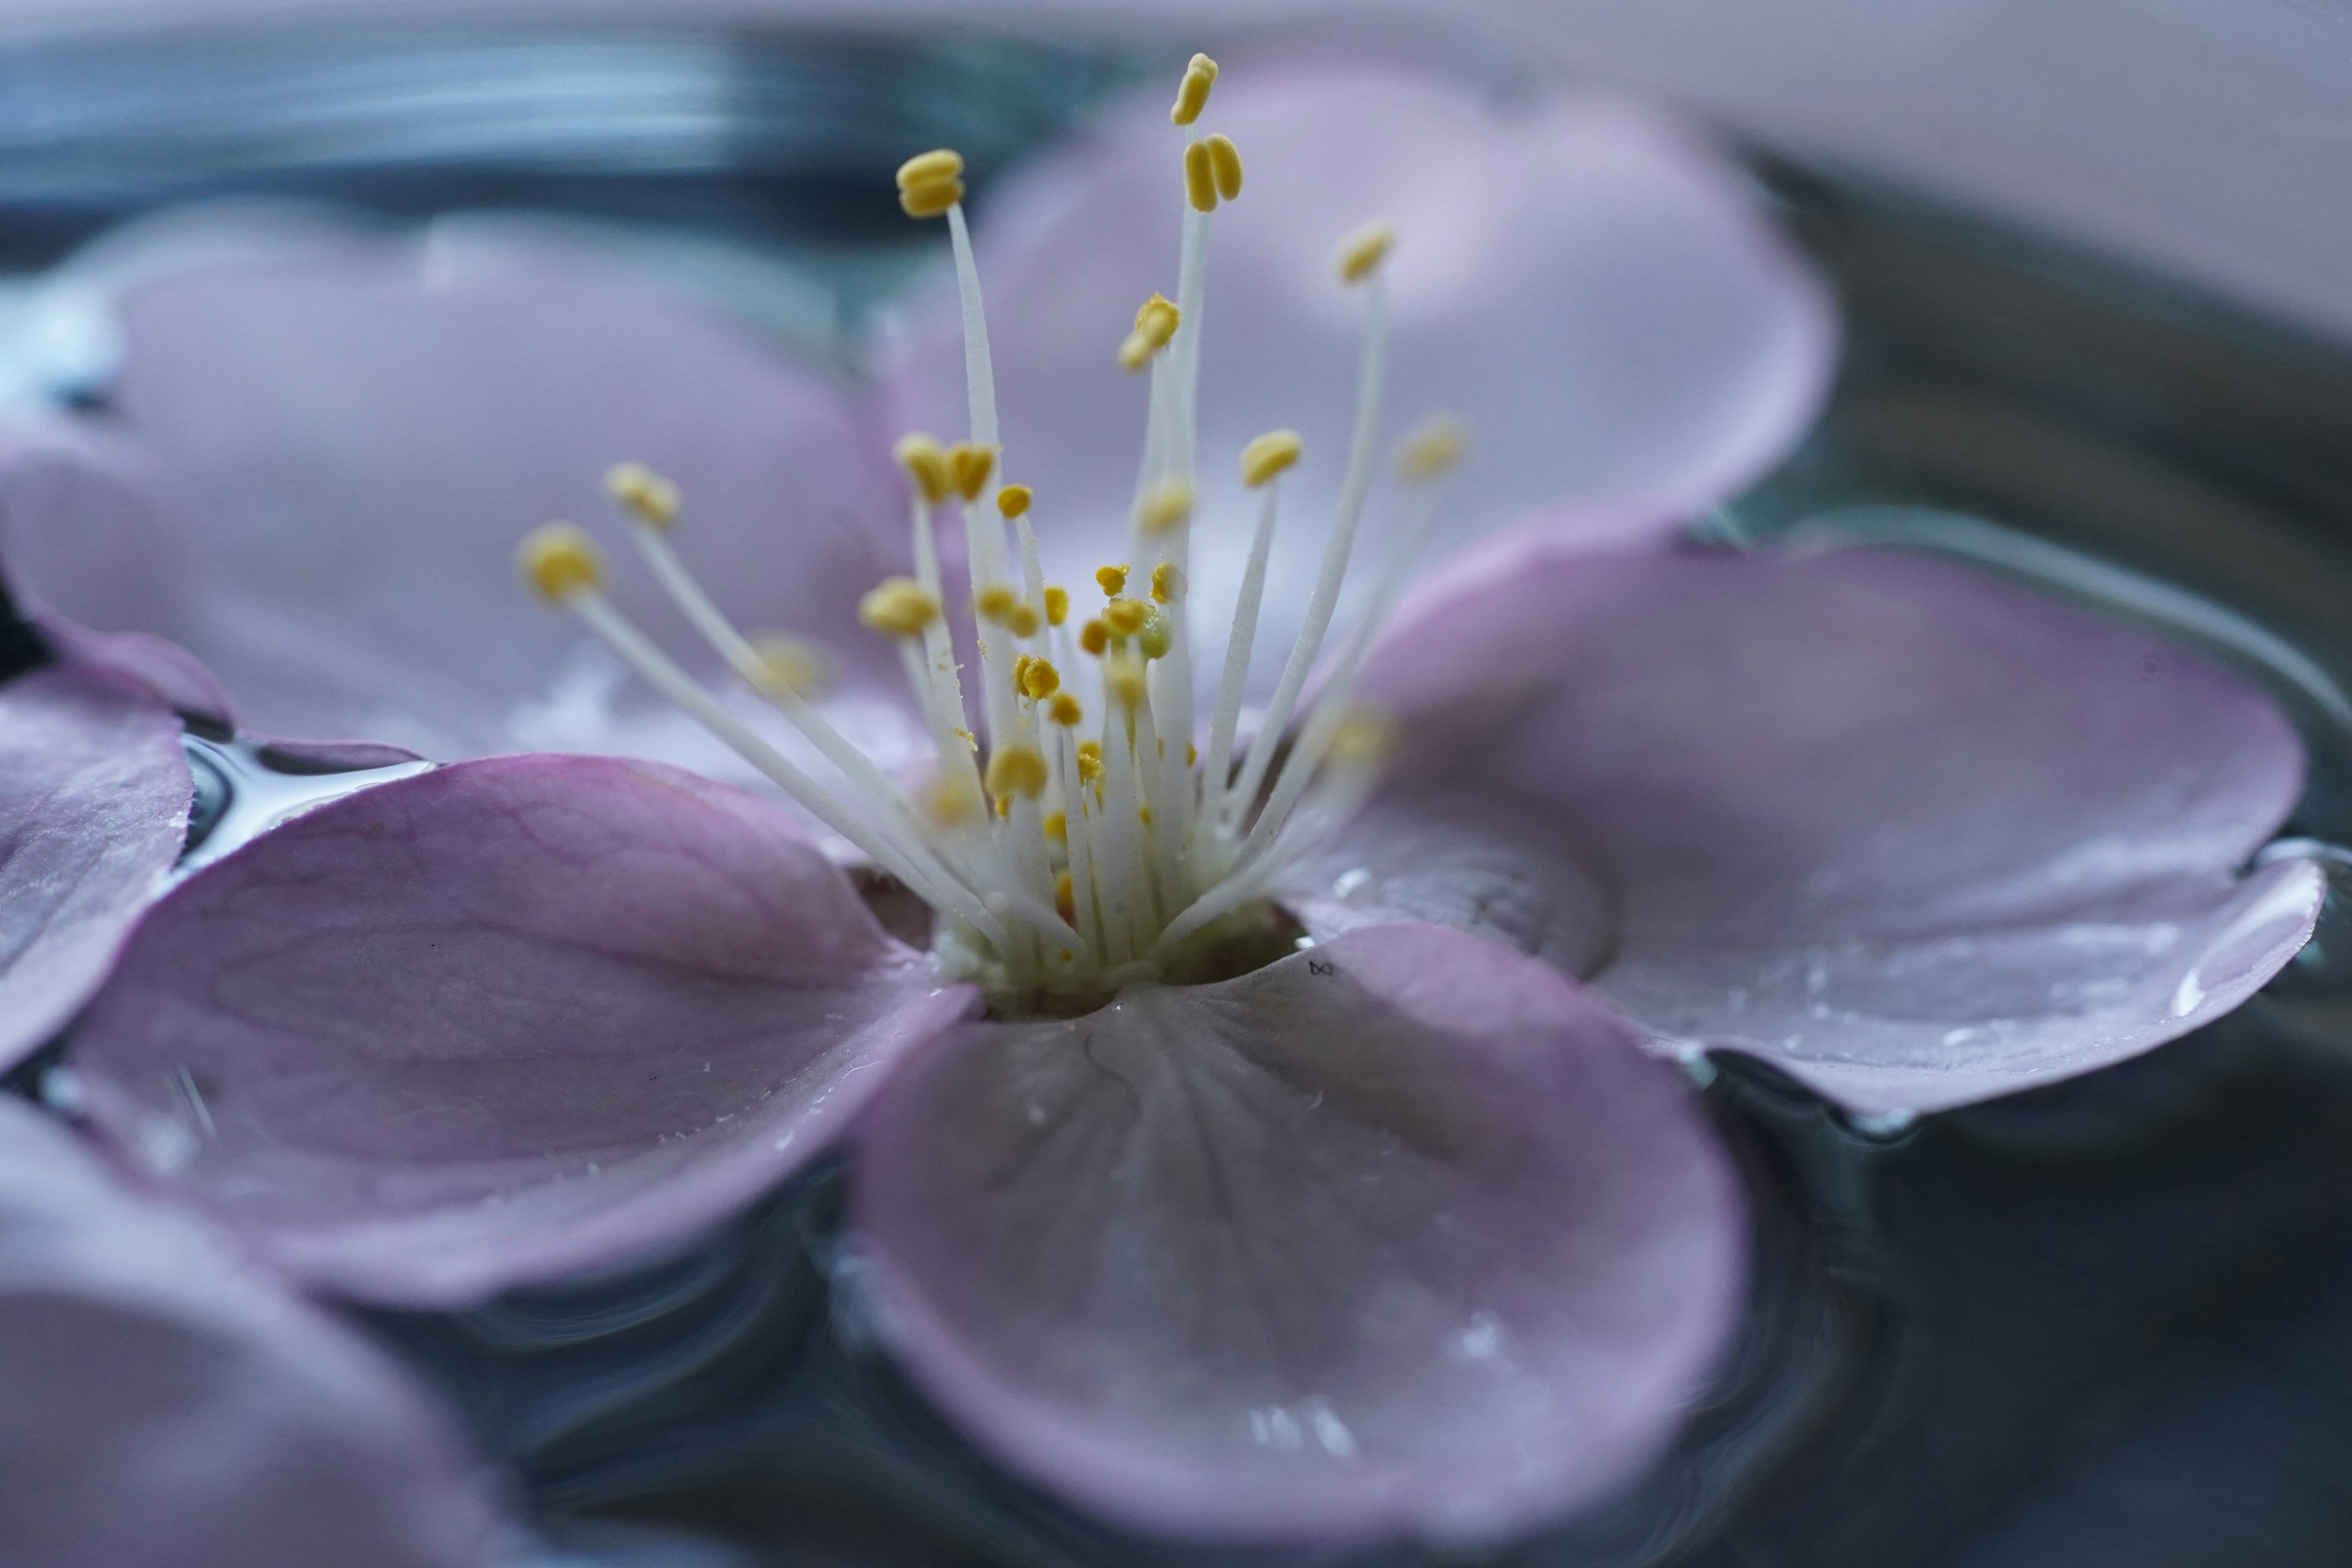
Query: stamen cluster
(1090, 842)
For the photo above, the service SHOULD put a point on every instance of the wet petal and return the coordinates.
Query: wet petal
(1916, 835)
(503, 1022)
(169, 1408)
(94, 793)
(1593, 289)
(338, 446)
(1402, 1235)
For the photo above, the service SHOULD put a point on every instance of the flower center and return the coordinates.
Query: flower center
(1095, 841)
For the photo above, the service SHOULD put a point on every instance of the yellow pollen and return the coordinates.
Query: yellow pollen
(1058, 605)
(1065, 711)
(1158, 635)
(898, 606)
(1170, 505)
(1023, 621)
(930, 182)
(1364, 739)
(1225, 164)
(1432, 448)
(558, 561)
(1089, 761)
(1013, 501)
(1200, 178)
(1362, 251)
(653, 497)
(1123, 618)
(1003, 807)
(1156, 320)
(1057, 826)
(996, 603)
(926, 463)
(1123, 682)
(1191, 754)
(1113, 580)
(971, 742)
(1269, 454)
(1062, 900)
(1094, 637)
(1016, 770)
(788, 663)
(1143, 814)
(1192, 92)
(1167, 580)
(969, 467)
(1038, 679)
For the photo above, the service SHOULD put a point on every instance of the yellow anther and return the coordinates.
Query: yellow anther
(1432, 448)
(1062, 900)
(1167, 505)
(1016, 770)
(969, 467)
(1003, 807)
(1013, 501)
(1191, 754)
(1058, 605)
(1065, 711)
(1167, 580)
(898, 606)
(1123, 682)
(928, 168)
(1156, 320)
(1143, 814)
(1123, 618)
(1158, 635)
(1089, 761)
(1094, 637)
(1113, 580)
(1225, 166)
(1192, 92)
(558, 561)
(788, 663)
(1200, 178)
(1038, 679)
(926, 462)
(651, 496)
(1269, 454)
(930, 182)
(1362, 251)
(1023, 621)
(947, 805)
(996, 603)
(1364, 739)
(1020, 668)
(1057, 826)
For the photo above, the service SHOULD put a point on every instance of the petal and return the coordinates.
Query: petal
(168, 1408)
(341, 445)
(1401, 1235)
(1595, 291)
(94, 794)
(501, 1023)
(1914, 835)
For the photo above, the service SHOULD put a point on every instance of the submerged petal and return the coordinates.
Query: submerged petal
(170, 1408)
(332, 449)
(501, 1023)
(1916, 835)
(1402, 1235)
(1598, 292)
(94, 793)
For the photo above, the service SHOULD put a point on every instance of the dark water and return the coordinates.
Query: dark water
(2109, 1321)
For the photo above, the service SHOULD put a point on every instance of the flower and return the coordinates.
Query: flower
(1401, 1231)
(170, 1406)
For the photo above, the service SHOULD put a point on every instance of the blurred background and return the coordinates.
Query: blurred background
(2095, 257)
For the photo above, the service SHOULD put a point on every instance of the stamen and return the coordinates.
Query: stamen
(925, 461)
(1155, 323)
(1013, 502)
(1225, 167)
(1016, 770)
(930, 182)
(1264, 461)
(1199, 177)
(996, 603)
(789, 665)
(1192, 92)
(561, 563)
(969, 465)
(652, 498)
(1113, 580)
(1268, 456)
(899, 607)
(1058, 605)
(1167, 582)
(1361, 252)
(1168, 505)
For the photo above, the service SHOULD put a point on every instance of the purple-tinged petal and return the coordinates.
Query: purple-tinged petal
(168, 1407)
(1598, 292)
(94, 794)
(1916, 835)
(338, 447)
(501, 1023)
(1401, 1236)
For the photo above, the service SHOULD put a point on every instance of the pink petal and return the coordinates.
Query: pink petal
(1593, 289)
(94, 794)
(1402, 1235)
(169, 1408)
(501, 1023)
(338, 447)
(1917, 837)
